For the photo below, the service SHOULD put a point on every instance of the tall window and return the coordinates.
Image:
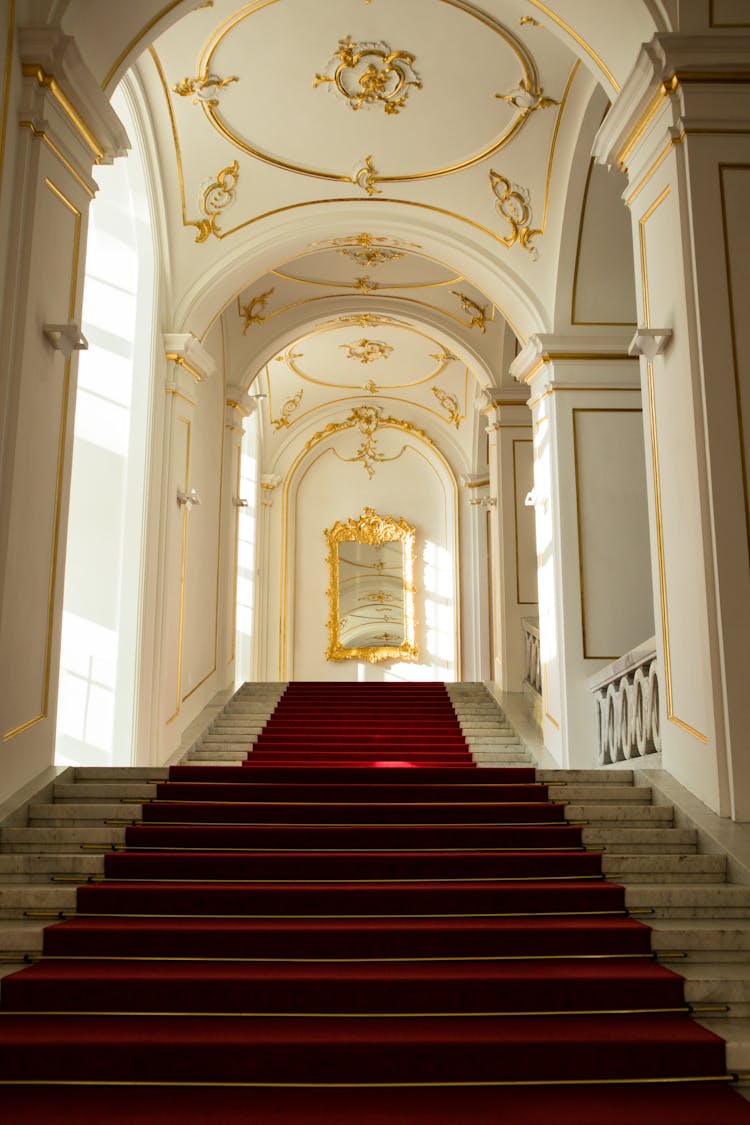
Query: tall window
(103, 570)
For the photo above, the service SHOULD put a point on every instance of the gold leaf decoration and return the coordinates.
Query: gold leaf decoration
(449, 403)
(526, 98)
(204, 89)
(287, 410)
(365, 176)
(218, 195)
(367, 351)
(253, 310)
(514, 205)
(478, 313)
(370, 75)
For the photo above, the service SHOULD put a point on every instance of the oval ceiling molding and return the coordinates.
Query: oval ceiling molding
(379, 357)
(266, 88)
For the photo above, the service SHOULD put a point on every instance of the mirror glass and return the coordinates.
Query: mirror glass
(371, 594)
(371, 589)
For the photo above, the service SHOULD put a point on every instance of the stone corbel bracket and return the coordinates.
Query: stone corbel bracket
(190, 363)
(650, 342)
(238, 406)
(66, 338)
(61, 97)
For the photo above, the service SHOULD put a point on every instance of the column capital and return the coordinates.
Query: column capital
(191, 362)
(565, 362)
(238, 406)
(506, 406)
(679, 83)
(268, 483)
(63, 101)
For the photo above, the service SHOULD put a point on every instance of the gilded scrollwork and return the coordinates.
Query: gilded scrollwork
(526, 98)
(449, 403)
(477, 313)
(204, 89)
(365, 176)
(513, 204)
(363, 320)
(252, 312)
(368, 420)
(364, 285)
(217, 196)
(367, 253)
(395, 607)
(370, 75)
(367, 351)
(288, 409)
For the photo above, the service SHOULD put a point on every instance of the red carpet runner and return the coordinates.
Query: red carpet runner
(357, 925)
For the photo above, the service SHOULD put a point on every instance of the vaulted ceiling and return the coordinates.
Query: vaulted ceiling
(375, 198)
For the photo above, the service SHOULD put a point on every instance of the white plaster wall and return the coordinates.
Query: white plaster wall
(195, 565)
(202, 545)
(614, 557)
(604, 279)
(414, 488)
(524, 531)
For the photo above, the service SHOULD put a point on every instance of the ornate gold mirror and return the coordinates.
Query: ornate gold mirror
(371, 589)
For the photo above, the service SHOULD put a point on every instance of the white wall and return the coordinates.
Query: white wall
(418, 487)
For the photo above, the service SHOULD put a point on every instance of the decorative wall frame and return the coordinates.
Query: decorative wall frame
(375, 531)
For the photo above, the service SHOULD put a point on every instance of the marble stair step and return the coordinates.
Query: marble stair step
(717, 983)
(736, 1032)
(564, 778)
(121, 773)
(81, 813)
(490, 741)
(17, 898)
(702, 939)
(68, 839)
(688, 900)
(664, 868)
(216, 757)
(234, 730)
(517, 753)
(499, 761)
(103, 791)
(222, 744)
(641, 841)
(578, 794)
(20, 936)
(29, 867)
(634, 815)
(487, 729)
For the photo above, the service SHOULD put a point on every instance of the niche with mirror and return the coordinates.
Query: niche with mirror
(371, 589)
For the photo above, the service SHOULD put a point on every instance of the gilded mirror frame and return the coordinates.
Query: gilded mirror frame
(372, 529)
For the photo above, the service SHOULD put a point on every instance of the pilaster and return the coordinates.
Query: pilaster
(61, 125)
(681, 131)
(267, 586)
(238, 408)
(589, 500)
(510, 529)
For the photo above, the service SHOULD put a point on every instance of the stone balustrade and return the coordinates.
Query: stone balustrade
(533, 666)
(626, 698)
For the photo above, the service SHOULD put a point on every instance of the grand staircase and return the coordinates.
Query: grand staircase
(401, 904)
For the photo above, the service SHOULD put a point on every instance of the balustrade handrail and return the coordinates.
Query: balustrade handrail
(626, 698)
(533, 664)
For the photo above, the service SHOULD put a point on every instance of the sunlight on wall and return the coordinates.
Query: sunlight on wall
(439, 622)
(103, 560)
(546, 591)
(85, 716)
(247, 534)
